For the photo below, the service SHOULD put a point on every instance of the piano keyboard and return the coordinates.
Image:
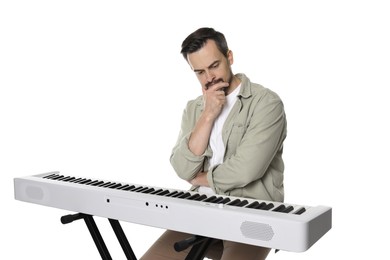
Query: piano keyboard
(276, 225)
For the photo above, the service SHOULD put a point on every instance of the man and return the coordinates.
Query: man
(230, 143)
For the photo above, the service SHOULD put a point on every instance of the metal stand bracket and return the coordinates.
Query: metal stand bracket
(98, 239)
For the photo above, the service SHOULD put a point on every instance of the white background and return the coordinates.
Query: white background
(97, 89)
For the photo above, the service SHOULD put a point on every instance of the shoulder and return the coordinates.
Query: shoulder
(195, 104)
(266, 95)
(257, 92)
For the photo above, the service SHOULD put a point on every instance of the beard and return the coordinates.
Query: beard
(215, 81)
(212, 83)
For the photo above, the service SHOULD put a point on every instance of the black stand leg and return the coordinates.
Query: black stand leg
(93, 230)
(199, 247)
(116, 226)
(98, 239)
(199, 251)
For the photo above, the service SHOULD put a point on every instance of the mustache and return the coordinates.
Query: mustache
(209, 84)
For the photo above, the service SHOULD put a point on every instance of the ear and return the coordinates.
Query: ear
(230, 57)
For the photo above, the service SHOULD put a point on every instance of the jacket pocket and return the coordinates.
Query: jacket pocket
(235, 137)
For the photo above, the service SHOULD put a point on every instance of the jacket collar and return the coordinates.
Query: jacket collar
(245, 90)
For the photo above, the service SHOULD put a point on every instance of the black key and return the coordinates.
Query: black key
(288, 209)
(62, 178)
(137, 189)
(234, 202)
(266, 206)
(92, 182)
(202, 197)
(50, 176)
(76, 180)
(128, 188)
(110, 185)
(57, 177)
(86, 181)
(133, 188)
(81, 180)
(269, 206)
(156, 191)
(261, 205)
(114, 185)
(238, 203)
(210, 199)
(224, 201)
(242, 203)
(253, 205)
(69, 179)
(279, 208)
(143, 189)
(178, 194)
(171, 193)
(148, 190)
(122, 186)
(97, 183)
(194, 196)
(162, 193)
(105, 184)
(185, 195)
(218, 200)
(300, 211)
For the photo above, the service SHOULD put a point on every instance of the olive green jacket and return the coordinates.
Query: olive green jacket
(253, 136)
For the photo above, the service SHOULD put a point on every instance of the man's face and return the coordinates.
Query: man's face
(210, 65)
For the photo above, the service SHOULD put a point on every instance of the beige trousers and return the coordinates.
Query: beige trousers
(163, 249)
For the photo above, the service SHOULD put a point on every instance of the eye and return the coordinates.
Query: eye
(199, 72)
(215, 65)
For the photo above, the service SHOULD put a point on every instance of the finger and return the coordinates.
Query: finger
(219, 86)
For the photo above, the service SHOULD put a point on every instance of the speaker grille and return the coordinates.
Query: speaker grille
(34, 192)
(255, 230)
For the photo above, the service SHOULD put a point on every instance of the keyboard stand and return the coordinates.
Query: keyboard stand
(198, 251)
(98, 239)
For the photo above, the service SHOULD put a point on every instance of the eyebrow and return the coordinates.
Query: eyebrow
(211, 65)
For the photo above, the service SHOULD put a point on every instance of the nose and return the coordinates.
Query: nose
(209, 76)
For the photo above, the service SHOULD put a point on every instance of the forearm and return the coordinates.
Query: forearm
(214, 101)
(184, 162)
(200, 180)
(200, 135)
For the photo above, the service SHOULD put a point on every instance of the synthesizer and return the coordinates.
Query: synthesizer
(277, 225)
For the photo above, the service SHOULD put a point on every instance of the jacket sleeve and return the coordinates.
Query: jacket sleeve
(261, 142)
(186, 164)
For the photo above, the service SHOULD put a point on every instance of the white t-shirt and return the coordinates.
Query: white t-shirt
(216, 142)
